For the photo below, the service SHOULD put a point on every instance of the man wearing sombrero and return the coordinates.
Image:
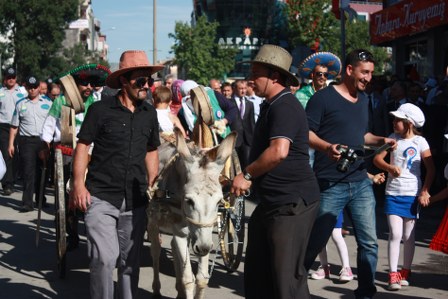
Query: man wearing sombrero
(319, 67)
(283, 182)
(78, 86)
(124, 162)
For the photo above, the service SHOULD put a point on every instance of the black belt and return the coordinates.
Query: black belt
(30, 137)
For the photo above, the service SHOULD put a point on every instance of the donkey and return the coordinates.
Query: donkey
(186, 207)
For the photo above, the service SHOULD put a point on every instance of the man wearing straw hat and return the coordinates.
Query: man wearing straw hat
(283, 182)
(124, 162)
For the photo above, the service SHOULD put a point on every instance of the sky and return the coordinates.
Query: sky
(128, 24)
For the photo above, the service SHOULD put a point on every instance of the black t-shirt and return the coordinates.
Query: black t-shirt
(121, 140)
(338, 121)
(292, 179)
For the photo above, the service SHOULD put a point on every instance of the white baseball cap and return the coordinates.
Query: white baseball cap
(411, 113)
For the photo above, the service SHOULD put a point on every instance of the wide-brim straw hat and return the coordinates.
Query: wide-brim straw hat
(130, 61)
(71, 94)
(201, 104)
(275, 57)
(327, 59)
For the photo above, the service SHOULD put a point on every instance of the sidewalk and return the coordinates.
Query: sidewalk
(429, 271)
(30, 272)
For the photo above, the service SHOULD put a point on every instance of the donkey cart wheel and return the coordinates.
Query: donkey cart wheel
(61, 244)
(231, 226)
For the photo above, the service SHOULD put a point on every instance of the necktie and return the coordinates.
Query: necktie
(242, 107)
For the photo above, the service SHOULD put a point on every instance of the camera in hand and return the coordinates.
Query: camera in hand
(348, 157)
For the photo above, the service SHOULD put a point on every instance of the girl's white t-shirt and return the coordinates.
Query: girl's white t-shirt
(407, 156)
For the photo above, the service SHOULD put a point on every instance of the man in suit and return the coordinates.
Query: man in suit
(247, 117)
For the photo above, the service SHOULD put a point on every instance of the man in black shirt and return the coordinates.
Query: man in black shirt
(283, 181)
(124, 130)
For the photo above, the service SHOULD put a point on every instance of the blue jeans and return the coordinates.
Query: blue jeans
(359, 201)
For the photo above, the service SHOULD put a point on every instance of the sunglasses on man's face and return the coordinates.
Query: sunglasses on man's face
(365, 56)
(86, 83)
(320, 74)
(141, 81)
(29, 86)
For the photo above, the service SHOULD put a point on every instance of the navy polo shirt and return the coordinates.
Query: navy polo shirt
(292, 179)
(121, 141)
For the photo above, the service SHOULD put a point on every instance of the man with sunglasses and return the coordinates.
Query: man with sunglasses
(319, 67)
(10, 93)
(338, 115)
(124, 162)
(86, 78)
(28, 119)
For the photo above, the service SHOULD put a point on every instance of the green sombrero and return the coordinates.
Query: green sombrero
(327, 59)
(93, 72)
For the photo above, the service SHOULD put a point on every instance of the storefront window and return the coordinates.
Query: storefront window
(417, 57)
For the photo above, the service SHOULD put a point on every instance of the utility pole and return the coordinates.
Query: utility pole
(154, 32)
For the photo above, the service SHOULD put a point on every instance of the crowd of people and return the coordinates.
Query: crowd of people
(298, 149)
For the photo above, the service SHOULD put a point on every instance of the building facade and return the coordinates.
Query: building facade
(86, 30)
(418, 33)
(243, 24)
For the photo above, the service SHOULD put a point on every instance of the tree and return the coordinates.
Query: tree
(36, 31)
(197, 52)
(356, 37)
(309, 22)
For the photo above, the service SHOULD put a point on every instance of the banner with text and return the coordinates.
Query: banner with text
(407, 17)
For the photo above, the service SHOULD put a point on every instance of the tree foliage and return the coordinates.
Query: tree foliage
(309, 21)
(356, 37)
(36, 30)
(197, 52)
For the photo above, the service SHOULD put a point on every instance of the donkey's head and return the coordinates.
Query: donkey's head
(203, 191)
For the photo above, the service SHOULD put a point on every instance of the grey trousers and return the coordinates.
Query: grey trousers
(114, 239)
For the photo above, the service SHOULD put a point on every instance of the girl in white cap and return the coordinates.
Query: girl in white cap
(404, 189)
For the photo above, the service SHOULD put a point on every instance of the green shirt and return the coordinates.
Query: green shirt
(304, 94)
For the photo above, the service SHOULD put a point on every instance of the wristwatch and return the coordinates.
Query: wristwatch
(247, 176)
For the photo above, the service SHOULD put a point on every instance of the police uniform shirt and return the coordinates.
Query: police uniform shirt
(30, 116)
(8, 100)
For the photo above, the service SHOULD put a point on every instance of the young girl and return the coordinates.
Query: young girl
(404, 190)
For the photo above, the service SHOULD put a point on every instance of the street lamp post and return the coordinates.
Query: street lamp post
(154, 35)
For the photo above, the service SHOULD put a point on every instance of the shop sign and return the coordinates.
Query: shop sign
(79, 24)
(407, 17)
(241, 43)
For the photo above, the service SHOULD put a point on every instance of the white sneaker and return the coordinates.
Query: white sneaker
(321, 273)
(346, 274)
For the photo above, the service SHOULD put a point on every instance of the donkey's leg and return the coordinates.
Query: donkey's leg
(202, 277)
(153, 233)
(183, 261)
(178, 271)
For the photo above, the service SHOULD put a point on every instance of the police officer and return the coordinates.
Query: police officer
(10, 93)
(28, 119)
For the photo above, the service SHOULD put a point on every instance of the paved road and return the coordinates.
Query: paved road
(29, 272)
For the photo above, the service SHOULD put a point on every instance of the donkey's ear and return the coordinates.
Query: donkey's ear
(181, 145)
(220, 153)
